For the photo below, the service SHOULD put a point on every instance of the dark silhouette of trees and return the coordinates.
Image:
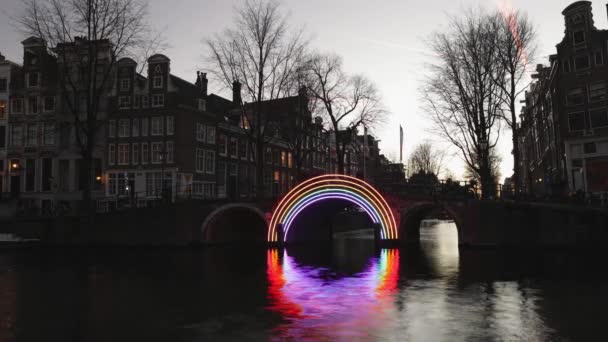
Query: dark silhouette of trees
(515, 50)
(347, 101)
(426, 159)
(264, 55)
(461, 95)
(88, 37)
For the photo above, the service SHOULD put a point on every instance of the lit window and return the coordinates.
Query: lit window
(3, 109)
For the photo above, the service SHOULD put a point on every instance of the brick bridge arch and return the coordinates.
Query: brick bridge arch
(412, 215)
(228, 218)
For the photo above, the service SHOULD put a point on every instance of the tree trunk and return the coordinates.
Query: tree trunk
(259, 167)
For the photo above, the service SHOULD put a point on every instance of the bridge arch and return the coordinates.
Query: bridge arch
(211, 228)
(409, 228)
(327, 187)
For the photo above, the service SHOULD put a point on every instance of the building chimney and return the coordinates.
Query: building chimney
(236, 93)
(204, 83)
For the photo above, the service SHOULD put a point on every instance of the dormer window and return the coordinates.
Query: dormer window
(158, 100)
(578, 37)
(124, 84)
(158, 82)
(32, 79)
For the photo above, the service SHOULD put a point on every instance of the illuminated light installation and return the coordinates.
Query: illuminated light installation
(327, 187)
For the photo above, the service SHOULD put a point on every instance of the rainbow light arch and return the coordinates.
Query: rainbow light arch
(333, 186)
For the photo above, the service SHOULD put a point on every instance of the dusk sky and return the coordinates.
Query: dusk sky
(382, 39)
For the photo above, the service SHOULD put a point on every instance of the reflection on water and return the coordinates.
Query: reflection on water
(348, 291)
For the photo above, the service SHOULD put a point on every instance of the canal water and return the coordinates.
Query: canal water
(347, 291)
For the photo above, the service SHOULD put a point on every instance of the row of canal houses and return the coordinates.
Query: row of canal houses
(160, 136)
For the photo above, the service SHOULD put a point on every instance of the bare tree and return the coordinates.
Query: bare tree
(426, 159)
(495, 174)
(263, 54)
(460, 94)
(515, 48)
(88, 37)
(347, 101)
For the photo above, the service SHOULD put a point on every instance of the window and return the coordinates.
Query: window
(201, 131)
(170, 125)
(566, 65)
(268, 156)
(158, 100)
(32, 104)
(144, 153)
(17, 106)
(49, 103)
(49, 133)
(202, 105)
(599, 59)
(597, 91)
(135, 154)
(157, 126)
(599, 117)
(111, 154)
(32, 79)
(135, 128)
(16, 135)
(222, 148)
(112, 184)
(30, 174)
(32, 135)
(124, 102)
(243, 149)
(576, 121)
(3, 85)
(233, 147)
(578, 37)
(581, 62)
(575, 96)
(144, 127)
(111, 128)
(283, 159)
(124, 84)
(123, 154)
(144, 101)
(200, 160)
(210, 135)
(158, 82)
(123, 128)
(3, 109)
(169, 151)
(290, 160)
(210, 162)
(156, 150)
(589, 147)
(137, 102)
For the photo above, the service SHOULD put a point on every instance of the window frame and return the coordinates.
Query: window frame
(158, 100)
(135, 154)
(17, 100)
(44, 103)
(582, 94)
(154, 83)
(584, 123)
(145, 154)
(605, 109)
(588, 62)
(125, 84)
(209, 167)
(124, 102)
(170, 119)
(574, 43)
(605, 91)
(125, 147)
(124, 131)
(111, 154)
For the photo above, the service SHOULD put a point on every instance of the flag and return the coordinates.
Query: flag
(400, 144)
